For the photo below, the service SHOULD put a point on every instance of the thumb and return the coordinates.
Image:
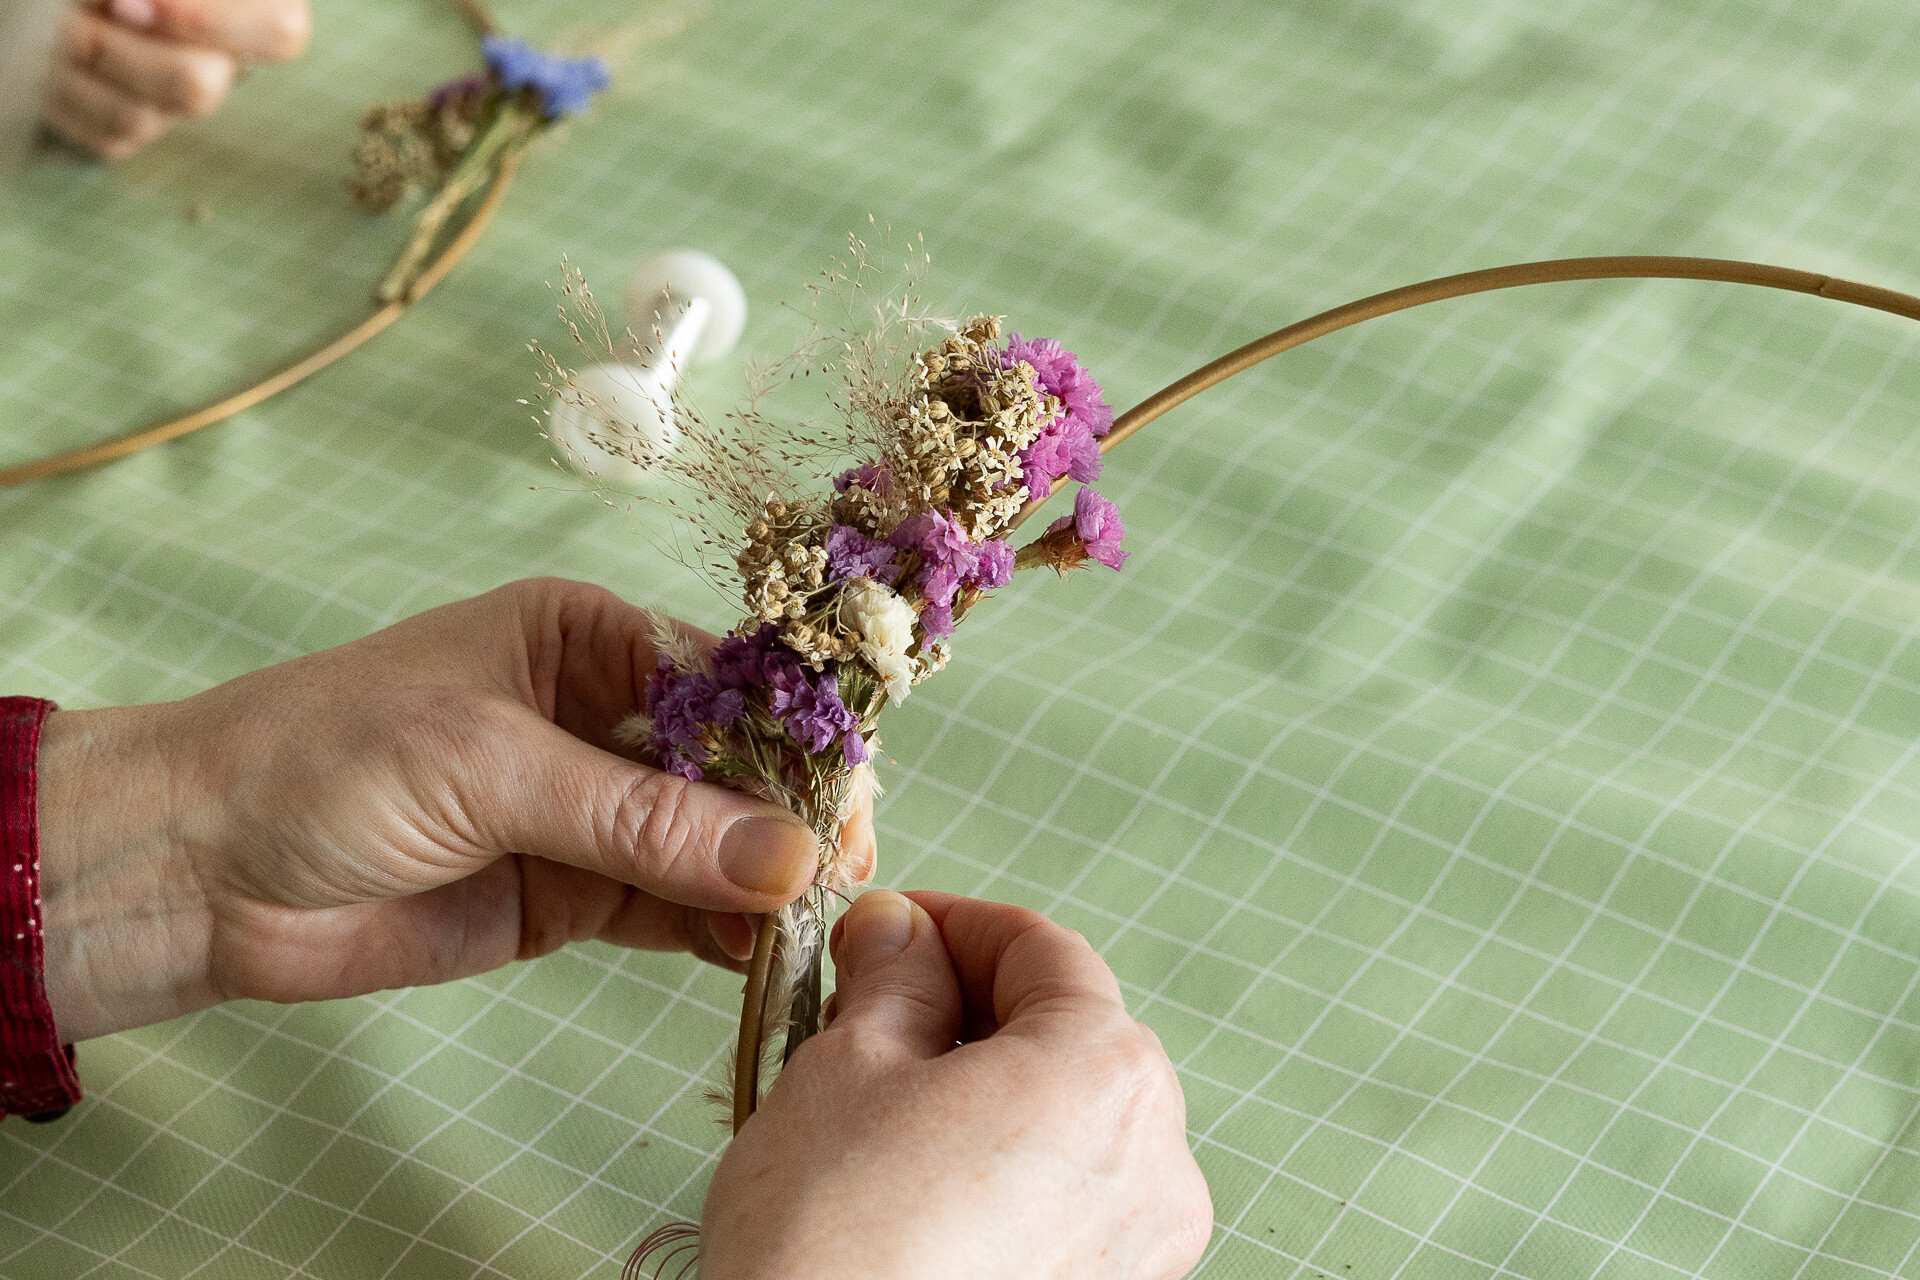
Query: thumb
(540, 790)
(896, 981)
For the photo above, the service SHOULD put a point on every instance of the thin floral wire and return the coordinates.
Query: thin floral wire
(683, 1236)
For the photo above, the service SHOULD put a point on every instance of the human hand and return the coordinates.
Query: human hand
(427, 803)
(1050, 1141)
(126, 71)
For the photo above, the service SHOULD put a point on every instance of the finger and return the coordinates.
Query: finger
(588, 652)
(732, 933)
(537, 789)
(513, 909)
(93, 114)
(258, 30)
(1014, 964)
(454, 931)
(859, 851)
(894, 981)
(561, 904)
(176, 78)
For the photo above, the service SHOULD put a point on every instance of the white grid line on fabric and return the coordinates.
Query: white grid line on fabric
(1447, 982)
(1582, 1159)
(1491, 800)
(1279, 850)
(329, 1054)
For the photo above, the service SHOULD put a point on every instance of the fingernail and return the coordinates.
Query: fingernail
(132, 13)
(875, 929)
(769, 855)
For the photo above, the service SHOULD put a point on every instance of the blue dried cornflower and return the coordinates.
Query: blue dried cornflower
(565, 85)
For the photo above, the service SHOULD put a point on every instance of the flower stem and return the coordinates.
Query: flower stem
(95, 454)
(753, 1018)
(476, 166)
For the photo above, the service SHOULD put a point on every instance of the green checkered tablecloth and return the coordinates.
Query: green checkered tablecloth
(1493, 775)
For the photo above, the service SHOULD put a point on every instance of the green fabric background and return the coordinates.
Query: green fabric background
(1493, 775)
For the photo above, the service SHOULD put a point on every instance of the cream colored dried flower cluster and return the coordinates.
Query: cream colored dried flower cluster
(957, 435)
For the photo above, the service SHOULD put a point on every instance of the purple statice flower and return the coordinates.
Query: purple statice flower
(565, 85)
(684, 704)
(459, 89)
(756, 660)
(936, 618)
(1096, 522)
(873, 477)
(812, 711)
(946, 554)
(1061, 449)
(855, 747)
(949, 563)
(739, 662)
(1068, 444)
(809, 706)
(852, 554)
(995, 568)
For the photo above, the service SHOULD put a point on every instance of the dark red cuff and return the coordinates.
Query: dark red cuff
(37, 1079)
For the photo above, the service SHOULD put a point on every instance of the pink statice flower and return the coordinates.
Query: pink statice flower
(949, 564)
(1069, 445)
(852, 554)
(1096, 522)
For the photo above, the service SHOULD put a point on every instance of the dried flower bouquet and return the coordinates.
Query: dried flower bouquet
(857, 548)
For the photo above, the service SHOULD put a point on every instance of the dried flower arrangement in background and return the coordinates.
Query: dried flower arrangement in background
(460, 138)
(463, 144)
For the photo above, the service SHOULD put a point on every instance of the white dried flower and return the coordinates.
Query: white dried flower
(884, 623)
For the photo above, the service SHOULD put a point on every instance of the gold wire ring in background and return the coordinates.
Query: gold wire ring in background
(1557, 270)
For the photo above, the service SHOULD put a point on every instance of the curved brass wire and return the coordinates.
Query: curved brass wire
(95, 454)
(1557, 270)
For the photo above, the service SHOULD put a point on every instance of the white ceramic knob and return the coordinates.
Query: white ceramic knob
(664, 284)
(615, 421)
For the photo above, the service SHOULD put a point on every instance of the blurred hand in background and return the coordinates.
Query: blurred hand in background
(125, 71)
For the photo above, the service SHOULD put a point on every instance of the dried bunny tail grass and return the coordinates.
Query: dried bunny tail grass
(867, 319)
(800, 938)
(635, 731)
(674, 643)
(720, 1093)
(675, 1242)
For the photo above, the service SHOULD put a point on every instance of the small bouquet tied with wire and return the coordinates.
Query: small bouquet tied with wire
(857, 546)
(462, 138)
